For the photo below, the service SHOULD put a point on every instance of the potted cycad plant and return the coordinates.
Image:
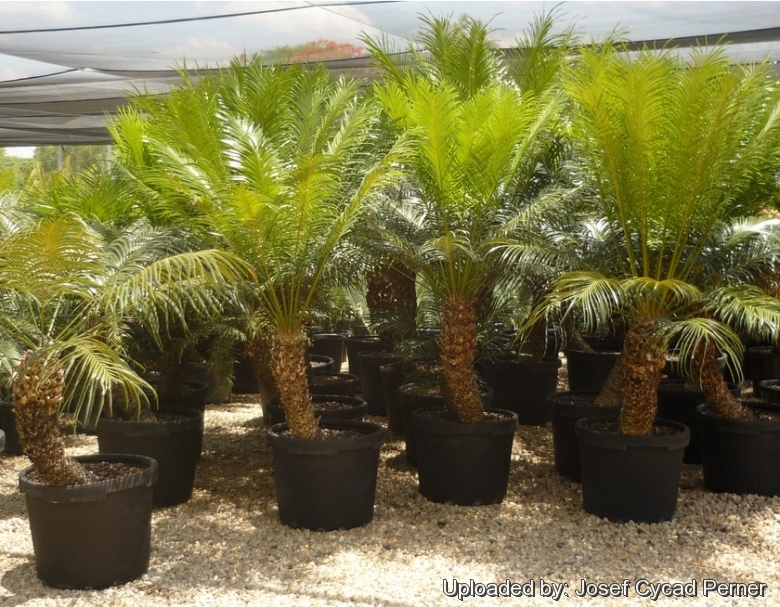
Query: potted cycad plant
(68, 307)
(288, 164)
(473, 138)
(672, 151)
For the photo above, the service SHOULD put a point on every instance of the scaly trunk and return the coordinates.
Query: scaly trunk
(259, 352)
(37, 392)
(391, 297)
(713, 384)
(458, 343)
(643, 361)
(288, 365)
(612, 393)
(535, 343)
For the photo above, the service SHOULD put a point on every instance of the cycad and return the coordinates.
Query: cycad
(67, 301)
(673, 152)
(279, 177)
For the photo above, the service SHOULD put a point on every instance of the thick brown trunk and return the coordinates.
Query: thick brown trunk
(535, 343)
(612, 393)
(643, 361)
(458, 343)
(259, 352)
(37, 393)
(288, 365)
(713, 384)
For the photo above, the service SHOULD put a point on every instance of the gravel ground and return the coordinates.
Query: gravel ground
(227, 547)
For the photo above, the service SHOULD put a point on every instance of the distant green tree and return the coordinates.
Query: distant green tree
(13, 171)
(76, 157)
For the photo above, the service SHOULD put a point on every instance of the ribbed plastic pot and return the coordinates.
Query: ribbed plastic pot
(371, 388)
(392, 375)
(199, 372)
(93, 535)
(769, 390)
(8, 422)
(319, 363)
(564, 414)
(412, 397)
(193, 397)
(763, 365)
(522, 386)
(175, 441)
(357, 344)
(741, 456)
(329, 344)
(678, 403)
(589, 370)
(356, 410)
(325, 484)
(463, 464)
(345, 384)
(630, 478)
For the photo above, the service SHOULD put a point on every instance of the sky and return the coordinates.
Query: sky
(20, 152)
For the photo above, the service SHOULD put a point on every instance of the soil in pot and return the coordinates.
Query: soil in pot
(97, 534)
(345, 384)
(741, 456)
(327, 483)
(522, 385)
(630, 478)
(371, 388)
(770, 390)
(588, 371)
(677, 401)
(330, 407)
(357, 344)
(174, 441)
(463, 464)
(565, 409)
(319, 363)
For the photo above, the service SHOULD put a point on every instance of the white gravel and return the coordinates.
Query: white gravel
(227, 547)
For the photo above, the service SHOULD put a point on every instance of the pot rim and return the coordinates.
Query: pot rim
(97, 490)
(373, 438)
(739, 426)
(437, 426)
(622, 442)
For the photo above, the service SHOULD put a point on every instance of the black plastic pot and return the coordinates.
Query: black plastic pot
(8, 422)
(319, 363)
(392, 376)
(463, 464)
(763, 365)
(677, 403)
(174, 442)
(2, 441)
(357, 344)
(193, 397)
(588, 371)
(741, 456)
(328, 483)
(564, 414)
(417, 396)
(345, 384)
(769, 390)
(274, 414)
(371, 388)
(522, 386)
(329, 344)
(93, 535)
(214, 394)
(630, 478)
